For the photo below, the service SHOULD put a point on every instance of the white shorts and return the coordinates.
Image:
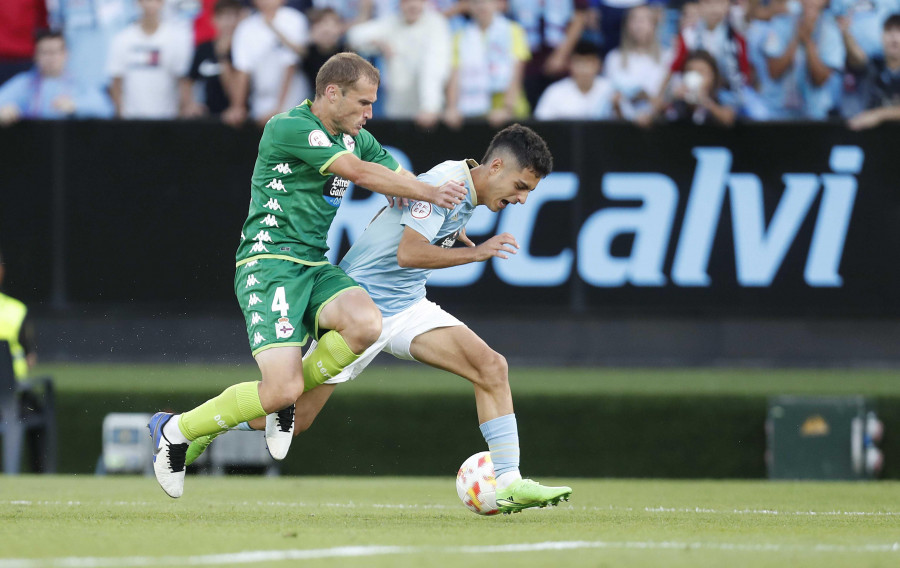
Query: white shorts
(397, 334)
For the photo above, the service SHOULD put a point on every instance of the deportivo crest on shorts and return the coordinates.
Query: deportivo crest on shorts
(349, 142)
(283, 328)
(420, 209)
(319, 138)
(334, 189)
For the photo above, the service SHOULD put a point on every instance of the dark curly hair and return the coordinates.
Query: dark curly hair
(525, 145)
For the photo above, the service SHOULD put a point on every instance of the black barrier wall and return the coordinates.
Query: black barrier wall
(777, 220)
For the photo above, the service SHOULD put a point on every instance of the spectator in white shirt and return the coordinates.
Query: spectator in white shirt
(584, 95)
(638, 67)
(264, 55)
(149, 62)
(416, 45)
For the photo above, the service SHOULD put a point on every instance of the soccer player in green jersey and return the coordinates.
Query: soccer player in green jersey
(393, 259)
(287, 289)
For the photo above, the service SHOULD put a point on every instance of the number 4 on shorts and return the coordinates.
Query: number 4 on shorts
(279, 304)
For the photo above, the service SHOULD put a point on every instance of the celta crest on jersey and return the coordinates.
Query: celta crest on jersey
(334, 190)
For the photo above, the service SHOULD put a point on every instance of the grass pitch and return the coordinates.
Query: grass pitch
(372, 522)
(405, 379)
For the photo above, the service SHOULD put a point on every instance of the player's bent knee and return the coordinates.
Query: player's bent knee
(285, 396)
(493, 371)
(278, 392)
(364, 328)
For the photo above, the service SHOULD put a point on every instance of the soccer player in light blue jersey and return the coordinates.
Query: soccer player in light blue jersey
(392, 261)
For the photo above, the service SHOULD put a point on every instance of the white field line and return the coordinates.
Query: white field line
(258, 556)
(413, 506)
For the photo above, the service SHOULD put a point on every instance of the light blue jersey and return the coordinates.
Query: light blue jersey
(372, 260)
(867, 19)
(89, 26)
(794, 93)
(38, 97)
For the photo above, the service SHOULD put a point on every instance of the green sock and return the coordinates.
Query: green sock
(327, 360)
(238, 403)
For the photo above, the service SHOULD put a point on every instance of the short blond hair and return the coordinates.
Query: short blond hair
(344, 70)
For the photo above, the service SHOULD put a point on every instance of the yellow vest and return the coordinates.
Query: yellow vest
(12, 314)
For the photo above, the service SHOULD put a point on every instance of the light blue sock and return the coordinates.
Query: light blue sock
(502, 437)
(245, 426)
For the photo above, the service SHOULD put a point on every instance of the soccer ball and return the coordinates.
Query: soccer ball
(476, 485)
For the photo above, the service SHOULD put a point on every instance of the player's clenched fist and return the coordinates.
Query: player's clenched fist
(449, 195)
(497, 246)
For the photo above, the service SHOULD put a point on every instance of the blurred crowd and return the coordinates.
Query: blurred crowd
(646, 61)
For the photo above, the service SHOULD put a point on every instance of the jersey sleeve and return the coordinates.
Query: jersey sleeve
(680, 51)
(424, 218)
(196, 60)
(370, 150)
(831, 46)
(241, 50)
(182, 53)
(547, 104)
(116, 63)
(521, 51)
(16, 91)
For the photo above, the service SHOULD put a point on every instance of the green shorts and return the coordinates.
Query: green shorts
(281, 300)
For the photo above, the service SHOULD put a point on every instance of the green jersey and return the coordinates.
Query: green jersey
(293, 196)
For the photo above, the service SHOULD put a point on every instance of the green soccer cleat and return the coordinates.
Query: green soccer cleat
(198, 446)
(525, 493)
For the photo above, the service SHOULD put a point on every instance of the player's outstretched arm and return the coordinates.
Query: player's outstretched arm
(382, 180)
(415, 251)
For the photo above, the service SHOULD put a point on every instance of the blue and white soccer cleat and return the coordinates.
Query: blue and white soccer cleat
(280, 432)
(168, 458)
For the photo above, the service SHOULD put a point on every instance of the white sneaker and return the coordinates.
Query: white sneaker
(280, 432)
(168, 458)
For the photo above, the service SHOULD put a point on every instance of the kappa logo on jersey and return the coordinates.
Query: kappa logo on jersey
(277, 185)
(269, 220)
(420, 209)
(334, 190)
(251, 281)
(242, 236)
(449, 240)
(258, 247)
(282, 169)
(273, 205)
(258, 338)
(263, 236)
(254, 299)
(256, 318)
(252, 263)
(283, 329)
(319, 138)
(349, 142)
